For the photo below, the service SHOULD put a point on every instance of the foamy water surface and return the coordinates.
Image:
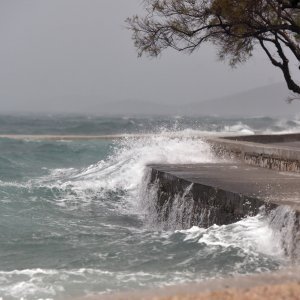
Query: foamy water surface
(73, 219)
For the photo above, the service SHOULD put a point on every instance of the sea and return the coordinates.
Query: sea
(73, 218)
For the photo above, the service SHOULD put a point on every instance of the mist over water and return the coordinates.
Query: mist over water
(76, 217)
(93, 125)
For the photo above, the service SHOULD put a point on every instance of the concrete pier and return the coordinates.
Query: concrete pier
(229, 190)
(256, 176)
(278, 152)
(206, 194)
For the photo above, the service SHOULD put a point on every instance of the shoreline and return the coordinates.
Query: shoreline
(271, 285)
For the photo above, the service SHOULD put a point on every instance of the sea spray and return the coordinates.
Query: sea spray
(173, 214)
(285, 223)
(124, 168)
(178, 214)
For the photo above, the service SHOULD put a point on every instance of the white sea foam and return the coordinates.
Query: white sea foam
(51, 284)
(239, 128)
(284, 126)
(124, 168)
(253, 234)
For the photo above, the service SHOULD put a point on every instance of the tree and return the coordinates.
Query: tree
(235, 27)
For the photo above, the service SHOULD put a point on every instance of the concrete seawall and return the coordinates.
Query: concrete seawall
(277, 152)
(223, 193)
(206, 194)
(205, 201)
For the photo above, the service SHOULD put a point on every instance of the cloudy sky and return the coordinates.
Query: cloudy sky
(74, 55)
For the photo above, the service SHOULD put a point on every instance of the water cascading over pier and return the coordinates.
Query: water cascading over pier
(180, 196)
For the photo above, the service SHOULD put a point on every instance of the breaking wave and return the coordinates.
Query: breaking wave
(122, 170)
(85, 230)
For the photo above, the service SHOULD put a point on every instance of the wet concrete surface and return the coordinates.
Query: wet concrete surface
(280, 188)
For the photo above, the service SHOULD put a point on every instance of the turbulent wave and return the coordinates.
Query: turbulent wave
(122, 170)
(156, 259)
(73, 225)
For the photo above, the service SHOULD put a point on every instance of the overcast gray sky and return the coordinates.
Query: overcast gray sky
(76, 54)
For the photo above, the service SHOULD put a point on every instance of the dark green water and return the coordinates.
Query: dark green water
(73, 221)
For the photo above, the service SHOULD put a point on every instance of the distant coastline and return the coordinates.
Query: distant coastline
(69, 137)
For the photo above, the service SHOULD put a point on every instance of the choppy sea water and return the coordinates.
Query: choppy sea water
(72, 215)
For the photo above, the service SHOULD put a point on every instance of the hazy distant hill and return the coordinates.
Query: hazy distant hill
(135, 107)
(264, 101)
